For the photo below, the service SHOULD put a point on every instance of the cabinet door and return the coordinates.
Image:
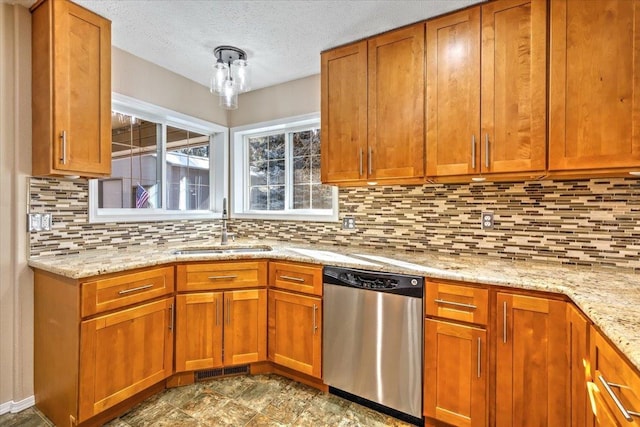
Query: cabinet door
(513, 92)
(124, 353)
(295, 332)
(453, 94)
(72, 107)
(245, 326)
(344, 113)
(396, 104)
(199, 320)
(602, 416)
(578, 329)
(594, 96)
(455, 373)
(531, 362)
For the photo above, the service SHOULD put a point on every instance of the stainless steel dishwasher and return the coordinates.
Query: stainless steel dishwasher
(372, 339)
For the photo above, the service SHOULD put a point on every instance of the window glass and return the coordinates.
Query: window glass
(135, 180)
(308, 191)
(188, 170)
(267, 172)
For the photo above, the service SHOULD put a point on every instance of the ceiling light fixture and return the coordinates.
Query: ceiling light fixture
(231, 75)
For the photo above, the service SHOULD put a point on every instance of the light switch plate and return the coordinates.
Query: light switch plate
(34, 222)
(46, 221)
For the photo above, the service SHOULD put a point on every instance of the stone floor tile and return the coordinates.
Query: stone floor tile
(204, 405)
(229, 386)
(230, 414)
(28, 418)
(262, 420)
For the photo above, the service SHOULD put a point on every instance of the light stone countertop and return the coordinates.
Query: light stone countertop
(609, 297)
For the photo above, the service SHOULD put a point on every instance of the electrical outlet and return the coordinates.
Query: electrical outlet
(46, 221)
(348, 223)
(487, 220)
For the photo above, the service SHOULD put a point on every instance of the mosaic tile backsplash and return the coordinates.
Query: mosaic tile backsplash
(590, 223)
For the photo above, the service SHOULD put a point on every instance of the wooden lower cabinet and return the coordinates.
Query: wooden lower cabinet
(220, 328)
(295, 332)
(455, 377)
(124, 353)
(531, 362)
(578, 330)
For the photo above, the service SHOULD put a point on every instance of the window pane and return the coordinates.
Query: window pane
(188, 164)
(267, 172)
(276, 198)
(308, 192)
(302, 196)
(258, 198)
(134, 181)
(321, 196)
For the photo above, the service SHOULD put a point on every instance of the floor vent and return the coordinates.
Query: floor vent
(213, 373)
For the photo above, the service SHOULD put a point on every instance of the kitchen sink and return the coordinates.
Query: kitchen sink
(219, 250)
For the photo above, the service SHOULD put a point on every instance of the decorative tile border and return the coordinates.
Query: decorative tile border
(588, 223)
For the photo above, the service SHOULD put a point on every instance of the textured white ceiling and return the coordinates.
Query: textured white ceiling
(283, 38)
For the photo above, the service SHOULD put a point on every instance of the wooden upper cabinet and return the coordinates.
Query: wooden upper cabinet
(396, 104)
(531, 355)
(373, 109)
(486, 90)
(513, 89)
(453, 93)
(71, 84)
(344, 113)
(594, 96)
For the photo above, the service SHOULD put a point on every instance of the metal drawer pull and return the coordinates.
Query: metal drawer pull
(293, 279)
(504, 322)
(370, 160)
(625, 413)
(361, 171)
(486, 150)
(63, 137)
(473, 152)
(479, 355)
(457, 304)
(139, 288)
(315, 324)
(171, 318)
(222, 277)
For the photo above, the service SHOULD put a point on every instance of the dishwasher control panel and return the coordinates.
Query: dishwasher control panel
(374, 280)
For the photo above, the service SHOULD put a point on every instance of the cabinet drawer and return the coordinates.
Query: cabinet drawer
(457, 302)
(296, 277)
(126, 289)
(615, 379)
(221, 275)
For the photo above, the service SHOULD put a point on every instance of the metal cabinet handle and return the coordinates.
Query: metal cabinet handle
(228, 311)
(457, 304)
(293, 279)
(370, 161)
(63, 137)
(504, 322)
(479, 354)
(486, 150)
(171, 317)
(315, 324)
(217, 321)
(139, 288)
(473, 152)
(222, 277)
(624, 411)
(361, 171)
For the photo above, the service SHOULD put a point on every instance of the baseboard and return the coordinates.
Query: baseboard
(14, 407)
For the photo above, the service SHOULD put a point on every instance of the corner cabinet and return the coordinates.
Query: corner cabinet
(486, 86)
(532, 363)
(218, 324)
(71, 85)
(594, 94)
(372, 96)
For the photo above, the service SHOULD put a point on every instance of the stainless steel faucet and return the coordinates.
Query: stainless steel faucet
(224, 234)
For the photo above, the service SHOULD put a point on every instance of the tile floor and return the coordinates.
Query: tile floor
(258, 400)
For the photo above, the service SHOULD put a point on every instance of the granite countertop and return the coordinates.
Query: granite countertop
(609, 297)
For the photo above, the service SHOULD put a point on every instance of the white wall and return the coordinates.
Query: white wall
(16, 279)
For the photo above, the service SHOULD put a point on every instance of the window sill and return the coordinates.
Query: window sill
(139, 215)
(287, 217)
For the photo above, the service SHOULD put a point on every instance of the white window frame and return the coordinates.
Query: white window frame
(240, 172)
(218, 172)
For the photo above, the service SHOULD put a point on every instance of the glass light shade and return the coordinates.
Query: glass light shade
(241, 75)
(229, 95)
(220, 73)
